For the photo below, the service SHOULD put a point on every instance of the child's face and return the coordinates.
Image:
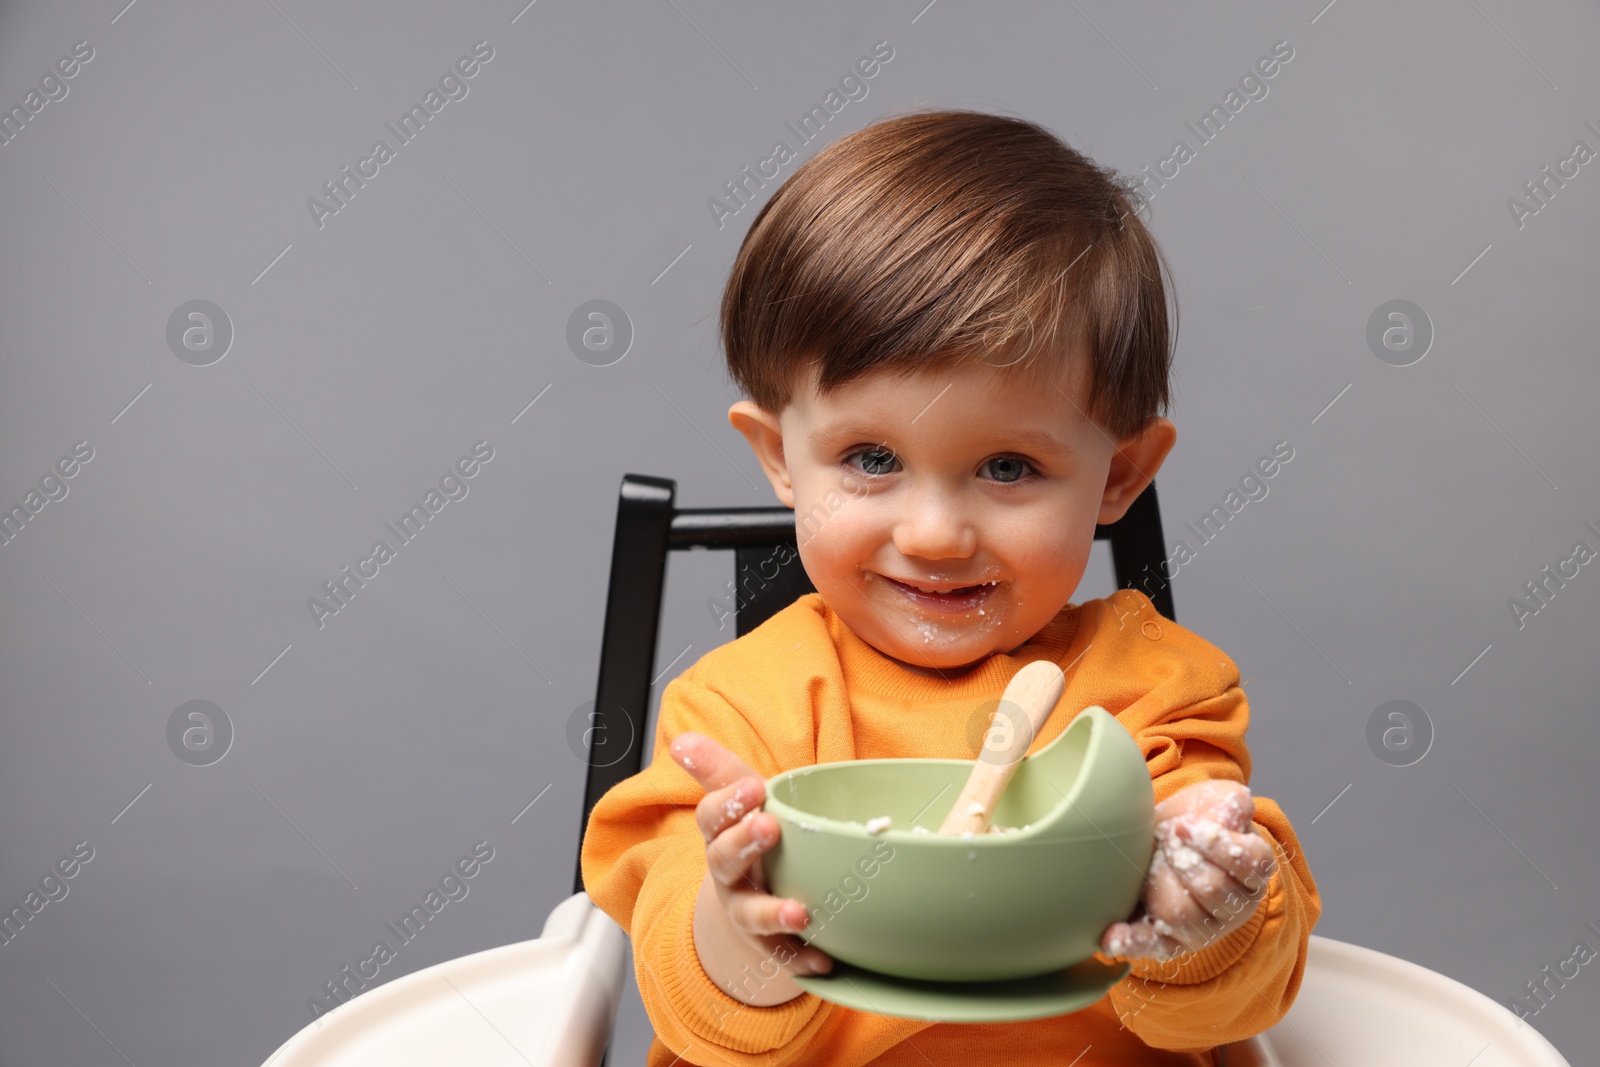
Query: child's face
(931, 479)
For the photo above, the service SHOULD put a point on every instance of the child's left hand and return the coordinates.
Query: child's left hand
(1205, 851)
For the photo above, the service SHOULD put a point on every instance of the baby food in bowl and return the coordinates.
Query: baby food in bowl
(1065, 857)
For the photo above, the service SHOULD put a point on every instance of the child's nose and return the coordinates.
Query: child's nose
(935, 527)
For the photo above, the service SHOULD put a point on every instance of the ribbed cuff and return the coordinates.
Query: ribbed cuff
(712, 1014)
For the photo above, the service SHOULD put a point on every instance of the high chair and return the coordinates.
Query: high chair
(553, 1000)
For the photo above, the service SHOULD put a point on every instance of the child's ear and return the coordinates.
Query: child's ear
(762, 429)
(1134, 466)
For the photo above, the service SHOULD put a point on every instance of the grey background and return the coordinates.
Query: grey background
(433, 309)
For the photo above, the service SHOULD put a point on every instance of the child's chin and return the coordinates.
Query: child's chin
(949, 663)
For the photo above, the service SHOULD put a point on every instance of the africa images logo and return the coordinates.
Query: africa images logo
(452, 486)
(452, 86)
(452, 888)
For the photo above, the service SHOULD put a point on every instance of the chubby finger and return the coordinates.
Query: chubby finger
(710, 764)
(795, 956)
(1213, 889)
(721, 808)
(761, 914)
(1246, 858)
(1171, 908)
(734, 856)
(1139, 939)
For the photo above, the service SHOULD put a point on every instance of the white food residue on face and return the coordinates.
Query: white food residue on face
(940, 636)
(879, 824)
(944, 633)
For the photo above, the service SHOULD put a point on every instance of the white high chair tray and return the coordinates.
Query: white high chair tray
(552, 1000)
(1358, 1006)
(547, 1001)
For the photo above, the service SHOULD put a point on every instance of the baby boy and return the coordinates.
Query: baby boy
(952, 330)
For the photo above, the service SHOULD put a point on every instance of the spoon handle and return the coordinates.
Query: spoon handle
(1032, 695)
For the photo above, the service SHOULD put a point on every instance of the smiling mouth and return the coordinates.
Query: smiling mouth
(954, 598)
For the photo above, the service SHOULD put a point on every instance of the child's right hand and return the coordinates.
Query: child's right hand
(737, 832)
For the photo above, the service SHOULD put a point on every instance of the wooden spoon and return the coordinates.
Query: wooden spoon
(1027, 702)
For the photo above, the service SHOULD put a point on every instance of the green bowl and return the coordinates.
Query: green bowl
(958, 908)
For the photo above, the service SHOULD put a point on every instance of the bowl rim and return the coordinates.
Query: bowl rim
(1095, 715)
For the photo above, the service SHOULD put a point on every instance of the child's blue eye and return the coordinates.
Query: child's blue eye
(1008, 470)
(872, 452)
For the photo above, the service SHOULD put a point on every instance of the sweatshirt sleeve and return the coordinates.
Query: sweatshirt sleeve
(643, 863)
(1243, 983)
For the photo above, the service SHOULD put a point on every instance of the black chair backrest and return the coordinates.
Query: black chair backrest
(768, 577)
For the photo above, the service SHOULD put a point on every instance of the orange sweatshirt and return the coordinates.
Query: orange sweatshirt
(803, 689)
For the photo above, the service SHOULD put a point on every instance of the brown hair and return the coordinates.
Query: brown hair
(940, 237)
